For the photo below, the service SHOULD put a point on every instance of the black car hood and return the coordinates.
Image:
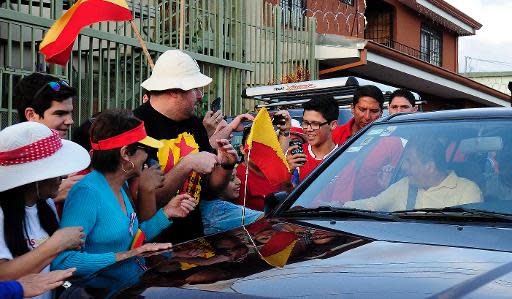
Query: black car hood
(276, 258)
(385, 270)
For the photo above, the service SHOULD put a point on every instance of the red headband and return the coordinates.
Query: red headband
(134, 135)
(38, 150)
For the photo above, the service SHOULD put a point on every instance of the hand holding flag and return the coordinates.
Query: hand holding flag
(265, 151)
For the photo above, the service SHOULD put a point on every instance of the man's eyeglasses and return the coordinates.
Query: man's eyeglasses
(54, 85)
(313, 125)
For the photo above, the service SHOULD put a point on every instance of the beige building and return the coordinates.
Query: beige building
(496, 80)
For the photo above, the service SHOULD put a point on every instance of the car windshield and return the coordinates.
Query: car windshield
(419, 166)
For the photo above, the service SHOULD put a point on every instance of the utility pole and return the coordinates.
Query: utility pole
(466, 64)
(510, 88)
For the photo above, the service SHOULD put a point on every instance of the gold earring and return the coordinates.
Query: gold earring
(126, 171)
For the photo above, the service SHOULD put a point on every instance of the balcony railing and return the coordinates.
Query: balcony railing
(430, 57)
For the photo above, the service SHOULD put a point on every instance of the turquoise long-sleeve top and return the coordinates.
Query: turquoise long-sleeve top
(92, 204)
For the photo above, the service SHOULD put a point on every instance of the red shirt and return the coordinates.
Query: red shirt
(360, 179)
(341, 133)
(312, 161)
(257, 188)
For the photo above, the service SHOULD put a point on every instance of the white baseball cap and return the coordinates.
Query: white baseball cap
(31, 152)
(175, 70)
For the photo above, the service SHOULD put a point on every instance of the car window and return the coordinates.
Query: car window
(404, 166)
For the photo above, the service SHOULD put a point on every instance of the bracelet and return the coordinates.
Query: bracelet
(228, 166)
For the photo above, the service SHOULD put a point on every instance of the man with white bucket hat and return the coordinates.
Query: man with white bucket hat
(187, 158)
(33, 158)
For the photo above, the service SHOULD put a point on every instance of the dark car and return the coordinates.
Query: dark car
(414, 206)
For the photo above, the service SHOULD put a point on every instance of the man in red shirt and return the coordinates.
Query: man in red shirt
(319, 120)
(362, 179)
(367, 106)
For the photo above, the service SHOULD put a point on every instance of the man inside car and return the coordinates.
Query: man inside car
(427, 184)
(367, 106)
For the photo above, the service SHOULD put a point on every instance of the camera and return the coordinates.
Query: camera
(278, 120)
(297, 150)
(215, 106)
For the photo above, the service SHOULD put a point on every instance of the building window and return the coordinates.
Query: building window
(380, 18)
(431, 45)
(293, 12)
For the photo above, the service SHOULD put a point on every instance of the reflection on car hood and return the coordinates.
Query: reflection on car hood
(384, 270)
(274, 258)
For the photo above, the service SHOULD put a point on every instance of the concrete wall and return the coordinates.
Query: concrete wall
(406, 30)
(449, 58)
(335, 17)
(497, 80)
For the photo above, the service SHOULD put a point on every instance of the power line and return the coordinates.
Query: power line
(490, 61)
(468, 59)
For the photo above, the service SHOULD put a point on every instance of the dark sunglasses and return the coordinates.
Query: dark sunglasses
(54, 85)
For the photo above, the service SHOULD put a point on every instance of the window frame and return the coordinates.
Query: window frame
(430, 35)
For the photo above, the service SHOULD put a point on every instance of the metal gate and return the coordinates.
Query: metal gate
(236, 42)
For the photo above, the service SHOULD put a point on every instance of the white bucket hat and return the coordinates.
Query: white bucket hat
(175, 70)
(31, 152)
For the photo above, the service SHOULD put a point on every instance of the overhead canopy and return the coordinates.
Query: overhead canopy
(445, 14)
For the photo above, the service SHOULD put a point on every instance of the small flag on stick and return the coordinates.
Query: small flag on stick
(58, 41)
(265, 150)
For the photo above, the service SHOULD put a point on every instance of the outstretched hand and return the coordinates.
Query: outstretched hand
(237, 123)
(226, 154)
(146, 248)
(211, 120)
(37, 284)
(67, 238)
(179, 206)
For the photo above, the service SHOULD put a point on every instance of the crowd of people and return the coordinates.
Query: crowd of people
(139, 181)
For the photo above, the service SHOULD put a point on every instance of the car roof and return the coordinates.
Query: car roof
(473, 113)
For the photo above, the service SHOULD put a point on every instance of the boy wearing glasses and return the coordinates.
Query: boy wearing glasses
(319, 120)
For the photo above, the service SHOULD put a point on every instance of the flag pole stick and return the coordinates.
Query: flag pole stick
(142, 44)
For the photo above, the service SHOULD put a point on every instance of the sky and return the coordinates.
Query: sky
(493, 42)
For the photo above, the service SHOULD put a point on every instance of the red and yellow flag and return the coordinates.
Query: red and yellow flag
(278, 249)
(171, 154)
(138, 239)
(58, 41)
(266, 152)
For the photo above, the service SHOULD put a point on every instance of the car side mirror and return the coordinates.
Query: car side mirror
(273, 200)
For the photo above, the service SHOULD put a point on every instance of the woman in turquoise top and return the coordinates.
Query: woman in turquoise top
(100, 205)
